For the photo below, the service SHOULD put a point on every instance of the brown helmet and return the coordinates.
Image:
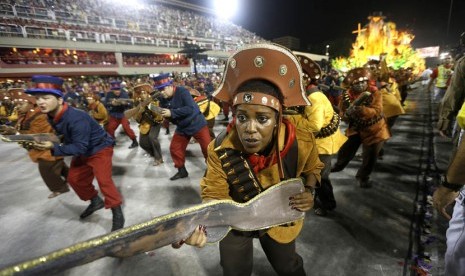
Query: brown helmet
(19, 95)
(194, 92)
(372, 64)
(311, 69)
(270, 62)
(4, 95)
(356, 75)
(91, 95)
(138, 89)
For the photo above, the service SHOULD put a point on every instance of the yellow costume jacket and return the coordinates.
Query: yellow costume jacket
(3, 111)
(391, 105)
(13, 117)
(394, 88)
(8, 112)
(98, 111)
(213, 108)
(147, 118)
(317, 116)
(214, 184)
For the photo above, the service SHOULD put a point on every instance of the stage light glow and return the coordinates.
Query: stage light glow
(225, 9)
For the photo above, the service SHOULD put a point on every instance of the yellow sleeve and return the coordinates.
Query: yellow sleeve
(101, 114)
(14, 116)
(214, 110)
(3, 111)
(308, 156)
(315, 113)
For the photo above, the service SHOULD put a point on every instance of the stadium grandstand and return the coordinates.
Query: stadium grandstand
(111, 38)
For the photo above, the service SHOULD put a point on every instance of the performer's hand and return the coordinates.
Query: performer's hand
(302, 202)
(198, 238)
(166, 113)
(350, 112)
(442, 198)
(43, 145)
(26, 145)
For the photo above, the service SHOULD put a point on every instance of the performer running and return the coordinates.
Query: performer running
(84, 139)
(117, 101)
(320, 119)
(367, 125)
(96, 108)
(52, 169)
(182, 111)
(150, 122)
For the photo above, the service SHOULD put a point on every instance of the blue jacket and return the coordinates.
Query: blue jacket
(81, 133)
(116, 111)
(185, 113)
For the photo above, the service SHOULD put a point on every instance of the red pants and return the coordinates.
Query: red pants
(179, 144)
(82, 172)
(113, 124)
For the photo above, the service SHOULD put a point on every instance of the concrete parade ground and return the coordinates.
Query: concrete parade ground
(371, 232)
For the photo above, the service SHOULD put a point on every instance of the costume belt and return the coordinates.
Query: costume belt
(361, 124)
(242, 181)
(331, 128)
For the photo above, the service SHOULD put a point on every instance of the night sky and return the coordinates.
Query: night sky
(321, 22)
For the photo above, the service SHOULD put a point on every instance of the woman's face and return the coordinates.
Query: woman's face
(255, 126)
(360, 86)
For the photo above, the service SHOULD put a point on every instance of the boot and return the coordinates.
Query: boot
(182, 173)
(336, 168)
(118, 218)
(364, 183)
(96, 203)
(134, 144)
(381, 154)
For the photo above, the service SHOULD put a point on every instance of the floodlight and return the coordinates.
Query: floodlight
(225, 9)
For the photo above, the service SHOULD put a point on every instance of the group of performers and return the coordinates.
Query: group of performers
(284, 126)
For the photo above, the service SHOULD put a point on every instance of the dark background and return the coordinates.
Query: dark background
(318, 22)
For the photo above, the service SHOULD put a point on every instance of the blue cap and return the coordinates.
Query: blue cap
(46, 85)
(115, 85)
(162, 81)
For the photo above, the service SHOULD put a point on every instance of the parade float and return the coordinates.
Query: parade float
(377, 38)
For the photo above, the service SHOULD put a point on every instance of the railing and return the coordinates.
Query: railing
(51, 65)
(148, 26)
(31, 12)
(10, 30)
(6, 9)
